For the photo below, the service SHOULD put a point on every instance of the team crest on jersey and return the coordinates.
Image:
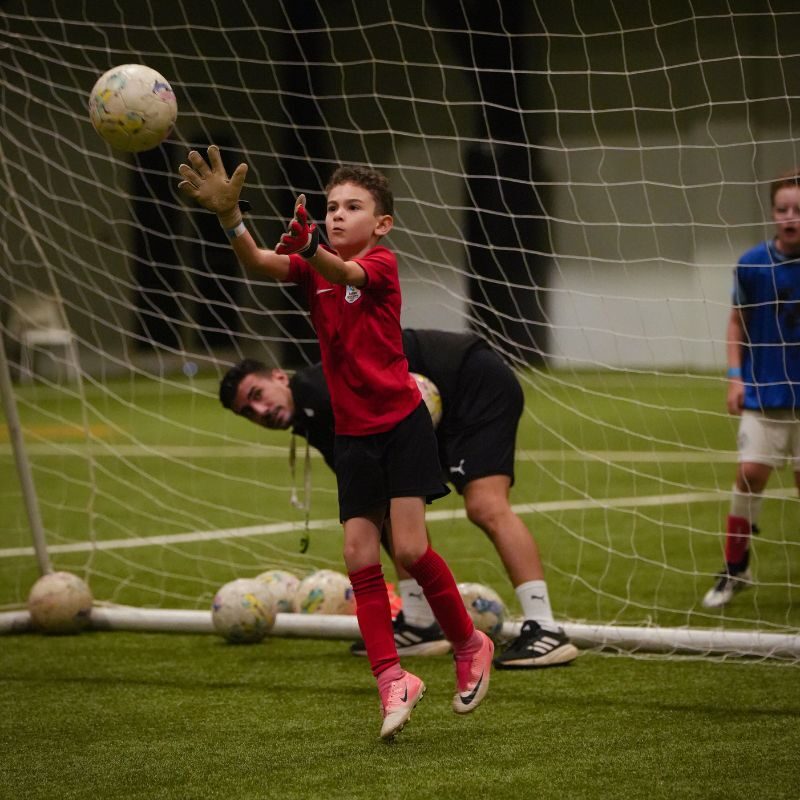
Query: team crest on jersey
(351, 293)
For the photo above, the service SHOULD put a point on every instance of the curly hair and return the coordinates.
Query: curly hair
(372, 180)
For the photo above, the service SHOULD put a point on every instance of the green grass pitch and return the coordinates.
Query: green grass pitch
(107, 715)
(179, 716)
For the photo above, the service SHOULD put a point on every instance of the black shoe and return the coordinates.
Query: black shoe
(536, 647)
(411, 640)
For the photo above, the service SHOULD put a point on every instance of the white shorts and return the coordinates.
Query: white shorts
(771, 438)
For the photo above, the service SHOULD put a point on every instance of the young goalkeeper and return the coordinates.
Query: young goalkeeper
(386, 457)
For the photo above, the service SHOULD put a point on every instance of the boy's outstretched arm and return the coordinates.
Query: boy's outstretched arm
(208, 183)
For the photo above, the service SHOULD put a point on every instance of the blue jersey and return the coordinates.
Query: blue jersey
(767, 291)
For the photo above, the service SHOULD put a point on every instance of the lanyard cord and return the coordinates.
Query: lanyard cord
(305, 505)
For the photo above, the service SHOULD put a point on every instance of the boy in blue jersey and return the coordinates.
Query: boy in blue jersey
(763, 347)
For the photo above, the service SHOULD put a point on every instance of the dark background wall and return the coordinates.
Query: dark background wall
(540, 153)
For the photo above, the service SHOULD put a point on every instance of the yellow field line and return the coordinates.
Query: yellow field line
(59, 432)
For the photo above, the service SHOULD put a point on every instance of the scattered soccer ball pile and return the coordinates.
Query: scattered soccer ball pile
(244, 610)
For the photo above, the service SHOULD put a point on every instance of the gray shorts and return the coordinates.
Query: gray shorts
(771, 438)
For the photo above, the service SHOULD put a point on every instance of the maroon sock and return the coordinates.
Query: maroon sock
(374, 617)
(737, 540)
(433, 575)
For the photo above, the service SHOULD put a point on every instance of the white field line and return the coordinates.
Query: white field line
(254, 450)
(333, 524)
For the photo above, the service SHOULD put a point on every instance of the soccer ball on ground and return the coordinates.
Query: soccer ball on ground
(430, 395)
(60, 602)
(241, 613)
(281, 585)
(132, 107)
(485, 606)
(325, 592)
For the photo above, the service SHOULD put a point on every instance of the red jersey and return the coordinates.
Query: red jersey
(361, 344)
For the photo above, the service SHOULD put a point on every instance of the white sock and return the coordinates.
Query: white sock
(535, 603)
(416, 610)
(746, 505)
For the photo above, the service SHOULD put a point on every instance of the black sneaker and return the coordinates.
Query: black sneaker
(411, 640)
(536, 647)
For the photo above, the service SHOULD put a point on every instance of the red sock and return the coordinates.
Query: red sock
(374, 617)
(737, 540)
(433, 575)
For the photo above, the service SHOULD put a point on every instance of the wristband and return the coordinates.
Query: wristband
(232, 233)
(734, 372)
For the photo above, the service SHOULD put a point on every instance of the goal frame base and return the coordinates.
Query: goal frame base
(620, 638)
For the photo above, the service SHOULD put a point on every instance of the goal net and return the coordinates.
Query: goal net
(574, 181)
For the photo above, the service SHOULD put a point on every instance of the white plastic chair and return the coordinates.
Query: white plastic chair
(36, 323)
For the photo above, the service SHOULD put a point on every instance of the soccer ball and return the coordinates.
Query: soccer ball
(430, 394)
(132, 107)
(325, 592)
(485, 606)
(60, 602)
(241, 613)
(281, 586)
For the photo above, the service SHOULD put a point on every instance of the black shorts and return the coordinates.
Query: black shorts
(479, 433)
(402, 462)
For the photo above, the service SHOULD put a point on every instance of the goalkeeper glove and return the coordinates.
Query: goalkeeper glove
(302, 236)
(209, 185)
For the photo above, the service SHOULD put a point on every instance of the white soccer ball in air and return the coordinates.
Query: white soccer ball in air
(60, 602)
(282, 586)
(325, 592)
(133, 107)
(485, 606)
(240, 612)
(430, 394)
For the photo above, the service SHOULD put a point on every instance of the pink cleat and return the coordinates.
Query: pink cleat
(472, 677)
(403, 695)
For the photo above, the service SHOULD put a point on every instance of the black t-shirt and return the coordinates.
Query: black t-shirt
(313, 415)
(438, 355)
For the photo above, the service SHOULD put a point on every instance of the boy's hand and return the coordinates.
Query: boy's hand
(302, 236)
(209, 185)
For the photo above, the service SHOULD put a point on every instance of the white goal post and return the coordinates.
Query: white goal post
(572, 181)
(620, 638)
